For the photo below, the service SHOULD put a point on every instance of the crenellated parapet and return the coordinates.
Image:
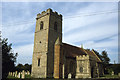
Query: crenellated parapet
(82, 57)
(47, 12)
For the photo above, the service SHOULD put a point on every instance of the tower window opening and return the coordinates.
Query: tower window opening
(41, 25)
(55, 26)
(39, 62)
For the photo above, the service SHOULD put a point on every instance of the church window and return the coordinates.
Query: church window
(81, 69)
(55, 26)
(40, 41)
(41, 25)
(39, 62)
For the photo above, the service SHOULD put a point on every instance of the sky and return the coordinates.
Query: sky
(92, 24)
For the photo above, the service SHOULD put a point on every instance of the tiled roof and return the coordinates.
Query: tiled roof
(72, 51)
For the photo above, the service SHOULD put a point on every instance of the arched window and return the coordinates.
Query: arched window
(81, 69)
(41, 25)
(55, 26)
(39, 62)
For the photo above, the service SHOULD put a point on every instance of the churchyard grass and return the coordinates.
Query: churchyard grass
(109, 76)
(12, 77)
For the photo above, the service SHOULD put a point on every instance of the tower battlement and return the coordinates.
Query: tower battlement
(80, 57)
(47, 12)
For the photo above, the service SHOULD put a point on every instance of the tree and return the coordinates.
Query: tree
(105, 57)
(8, 58)
(19, 67)
(106, 61)
(25, 67)
(114, 67)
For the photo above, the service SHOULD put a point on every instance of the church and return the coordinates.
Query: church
(54, 59)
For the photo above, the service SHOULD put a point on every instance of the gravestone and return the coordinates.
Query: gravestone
(15, 73)
(23, 74)
(112, 72)
(28, 73)
(11, 74)
(69, 75)
(18, 75)
(118, 74)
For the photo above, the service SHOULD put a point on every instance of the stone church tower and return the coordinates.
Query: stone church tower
(47, 33)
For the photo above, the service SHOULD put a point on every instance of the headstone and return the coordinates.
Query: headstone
(18, 75)
(13, 74)
(118, 74)
(23, 74)
(112, 72)
(69, 75)
(28, 73)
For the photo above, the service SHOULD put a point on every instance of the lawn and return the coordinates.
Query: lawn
(26, 76)
(105, 77)
(109, 76)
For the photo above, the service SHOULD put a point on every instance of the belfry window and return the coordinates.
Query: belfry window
(39, 62)
(55, 26)
(41, 25)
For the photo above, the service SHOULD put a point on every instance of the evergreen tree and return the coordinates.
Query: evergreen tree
(106, 61)
(105, 57)
(8, 58)
(25, 67)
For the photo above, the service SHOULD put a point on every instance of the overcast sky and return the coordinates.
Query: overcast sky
(93, 24)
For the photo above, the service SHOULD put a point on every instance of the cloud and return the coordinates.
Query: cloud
(24, 53)
(105, 44)
(90, 27)
(93, 31)
(20, 33)
(16, 14)
(80, 20)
